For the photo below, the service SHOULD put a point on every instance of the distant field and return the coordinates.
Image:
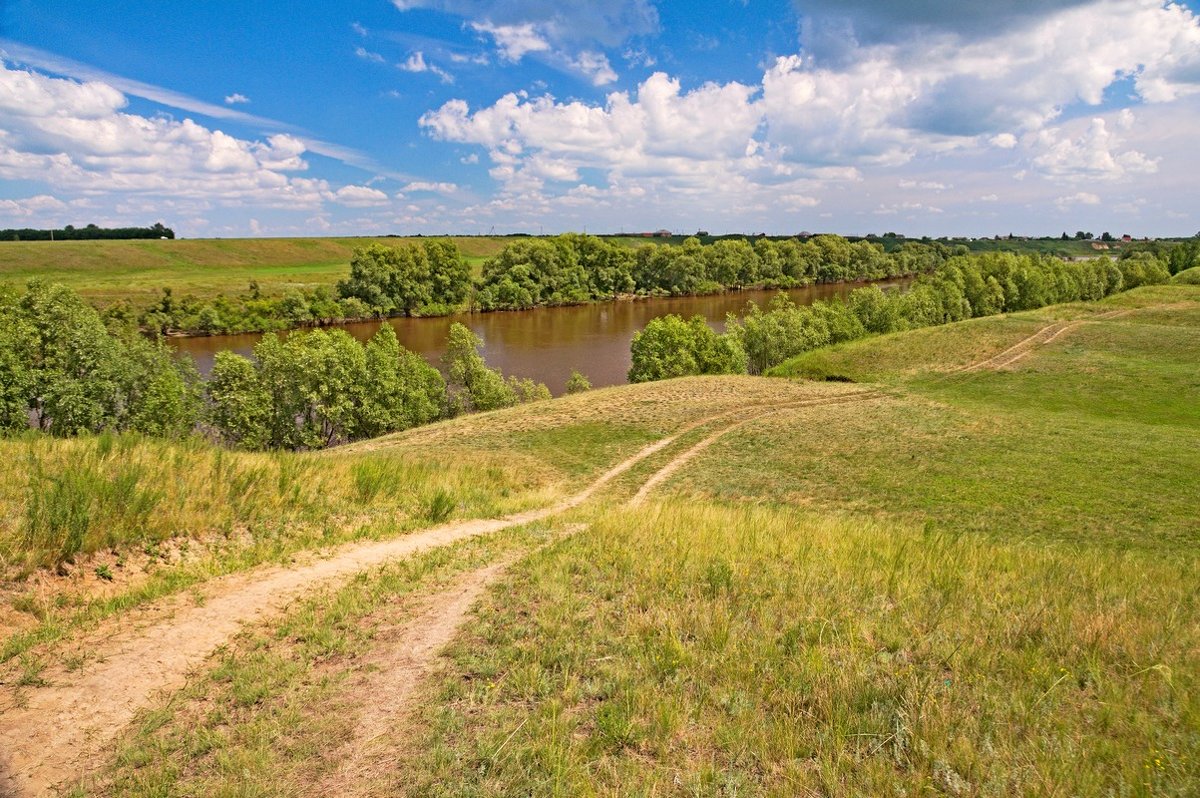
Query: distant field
(107, 271)
(1044, 246)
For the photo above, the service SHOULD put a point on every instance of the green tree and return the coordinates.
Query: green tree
(407, 278)
(17, 338)
(161, 394)
(449, 273)
(471, 384)
(402, 390)
(169, 405)
(671, 347)
(1142, 268)
(330, 376)
(239, 403)
(577, 383)
(783, 331)
(75, 366)
(878, 312)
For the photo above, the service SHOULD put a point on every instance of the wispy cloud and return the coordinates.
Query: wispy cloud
(417, 63)
(236, 99)
(367, 55)
(59, 65)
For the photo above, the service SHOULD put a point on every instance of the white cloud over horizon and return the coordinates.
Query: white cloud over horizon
(79, 138)
(808, 126)
(924, 112)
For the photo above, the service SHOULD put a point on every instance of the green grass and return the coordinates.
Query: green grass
(573, 439)
(215, 512)
(1092, 438)
(694, 650)
(161, 517)
(978, 584)
(1187, 277)
(108, 271)
(1011, 474)
(267, 714)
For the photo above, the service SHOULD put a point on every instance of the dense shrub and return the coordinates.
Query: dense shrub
(63, 368)
(575, 268)
(669, 346)
(431, 278)
(962, 287)
(65, 371)
(1143, 268)
(408, 278)
(472, 385)
(318, 388)
(577, 383)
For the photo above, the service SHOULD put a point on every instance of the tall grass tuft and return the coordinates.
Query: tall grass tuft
(81, 508)
(373, 478)
(58, 513)
(440, 506)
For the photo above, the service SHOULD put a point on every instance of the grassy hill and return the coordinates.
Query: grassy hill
(107, 271)
(929, 576)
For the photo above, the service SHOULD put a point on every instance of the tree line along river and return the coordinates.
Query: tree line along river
(545, 344)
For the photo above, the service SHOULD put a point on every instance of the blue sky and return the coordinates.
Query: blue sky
(462, 116)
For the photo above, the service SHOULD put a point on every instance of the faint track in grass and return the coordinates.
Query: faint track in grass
(1030, 343)
(56, 734)
(664, 473)
(387, 679)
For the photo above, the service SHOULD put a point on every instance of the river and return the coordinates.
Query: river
(544, 343)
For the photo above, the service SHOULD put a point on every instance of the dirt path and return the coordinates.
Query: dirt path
(57, 732)
(660, 476)
(387, 679)
(1040, 338)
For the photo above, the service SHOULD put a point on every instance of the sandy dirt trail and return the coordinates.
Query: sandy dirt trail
(57, 733)
(387, 680)
(393, 671)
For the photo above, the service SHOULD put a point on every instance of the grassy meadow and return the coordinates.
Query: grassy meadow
(104, 272)
(966, 583)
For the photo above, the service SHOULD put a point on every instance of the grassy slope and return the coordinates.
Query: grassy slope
(160, 516)
(982, 584)
(107, 271)
(1188, 277)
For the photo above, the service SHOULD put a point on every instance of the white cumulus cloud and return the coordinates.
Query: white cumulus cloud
(514, 41)
(359, 197)
(1079, 198)
(77, 137)
(1093, 154)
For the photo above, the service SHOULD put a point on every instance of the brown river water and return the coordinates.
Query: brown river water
(545, 343)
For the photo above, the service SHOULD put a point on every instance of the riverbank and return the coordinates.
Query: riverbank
(108, 272)
(545, 344)
(467, 311)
